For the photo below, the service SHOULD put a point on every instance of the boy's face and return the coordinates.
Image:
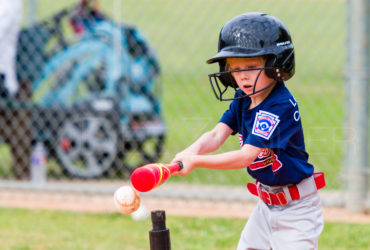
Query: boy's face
(247, 79)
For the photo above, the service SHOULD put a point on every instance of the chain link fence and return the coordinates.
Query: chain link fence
(109, 90)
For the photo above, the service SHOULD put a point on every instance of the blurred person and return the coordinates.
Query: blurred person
(256, 57)
(14, 120)
(11, 15)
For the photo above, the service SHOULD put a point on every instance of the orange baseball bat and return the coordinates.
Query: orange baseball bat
(150, 176)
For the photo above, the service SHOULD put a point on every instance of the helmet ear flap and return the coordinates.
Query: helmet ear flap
(282, 68)
(288, 64)
(226, 78)
(270, 67)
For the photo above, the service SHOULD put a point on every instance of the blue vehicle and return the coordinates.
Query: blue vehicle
(96, 100)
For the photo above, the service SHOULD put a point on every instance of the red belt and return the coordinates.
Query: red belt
(296, 192)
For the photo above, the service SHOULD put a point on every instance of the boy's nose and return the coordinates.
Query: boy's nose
(244, 75)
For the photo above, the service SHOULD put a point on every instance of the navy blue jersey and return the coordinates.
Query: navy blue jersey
(274, 125)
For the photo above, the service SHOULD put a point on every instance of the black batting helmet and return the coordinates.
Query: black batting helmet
(252, 35)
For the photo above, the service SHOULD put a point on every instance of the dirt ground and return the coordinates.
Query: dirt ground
(103, 203)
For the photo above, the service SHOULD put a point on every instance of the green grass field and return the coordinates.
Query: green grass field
(27, 230)
(184, 34)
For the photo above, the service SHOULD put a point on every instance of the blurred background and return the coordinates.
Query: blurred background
(106, 86)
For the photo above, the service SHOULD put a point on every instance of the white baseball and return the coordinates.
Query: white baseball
(126, 199)
(141, 214)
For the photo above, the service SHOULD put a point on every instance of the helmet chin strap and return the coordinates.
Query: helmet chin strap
(261, 90)
(215, 84)
(255, 84)
(256, 92)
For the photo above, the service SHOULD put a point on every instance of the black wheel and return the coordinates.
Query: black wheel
(86, 146)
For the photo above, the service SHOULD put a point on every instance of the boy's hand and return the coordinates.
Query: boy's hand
(187, 160)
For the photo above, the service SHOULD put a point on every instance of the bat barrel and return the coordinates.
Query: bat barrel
(150, 176)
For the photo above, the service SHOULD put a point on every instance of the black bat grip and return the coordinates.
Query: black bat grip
(181, 165)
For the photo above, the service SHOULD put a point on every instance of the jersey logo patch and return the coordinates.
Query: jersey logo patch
(264, 124)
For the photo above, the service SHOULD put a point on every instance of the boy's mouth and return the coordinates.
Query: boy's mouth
(248, 86)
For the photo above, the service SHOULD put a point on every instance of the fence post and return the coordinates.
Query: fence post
(31, 13)
(357, 110)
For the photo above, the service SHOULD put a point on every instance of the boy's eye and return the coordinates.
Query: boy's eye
(246, 68)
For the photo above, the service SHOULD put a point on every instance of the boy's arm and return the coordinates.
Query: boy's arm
(193, 157)
(209, 141)
(230, 160)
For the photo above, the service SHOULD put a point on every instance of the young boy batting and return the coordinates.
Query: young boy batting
(255, 57)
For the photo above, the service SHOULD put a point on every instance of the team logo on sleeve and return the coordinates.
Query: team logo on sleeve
(264, 124)
(267, 158)
(241, 141)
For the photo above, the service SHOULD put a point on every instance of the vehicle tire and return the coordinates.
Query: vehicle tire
(86, 146)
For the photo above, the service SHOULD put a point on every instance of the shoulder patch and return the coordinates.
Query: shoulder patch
(264, 124)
